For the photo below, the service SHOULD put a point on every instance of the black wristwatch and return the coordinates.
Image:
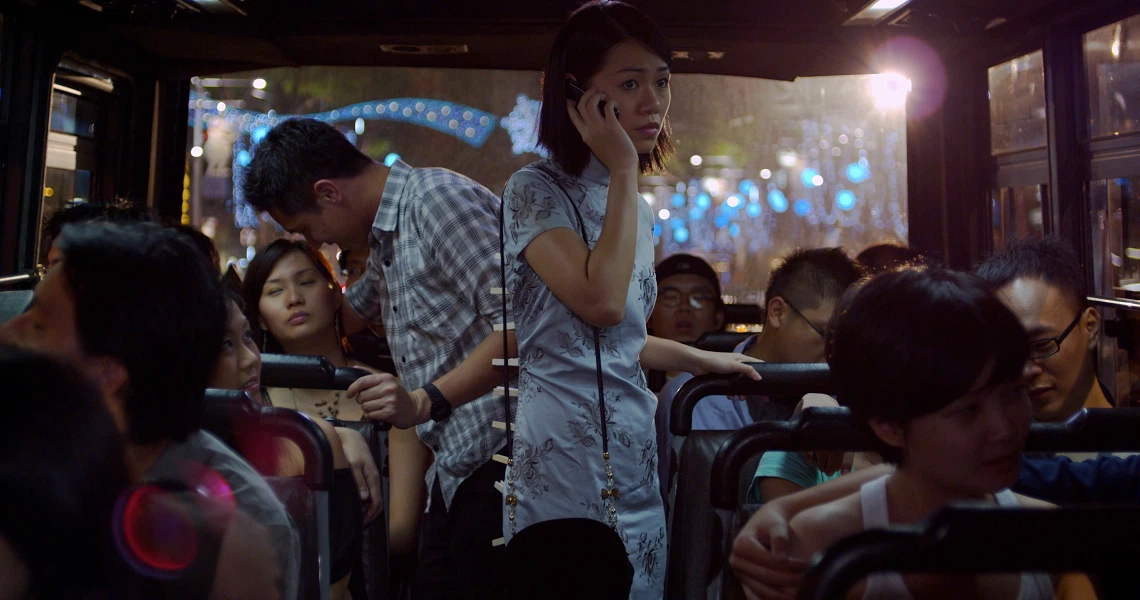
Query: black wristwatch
(440, 407)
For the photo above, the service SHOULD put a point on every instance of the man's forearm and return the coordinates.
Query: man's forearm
(476, 376)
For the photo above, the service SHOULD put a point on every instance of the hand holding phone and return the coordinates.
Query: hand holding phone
(606, 137)
(575, 93)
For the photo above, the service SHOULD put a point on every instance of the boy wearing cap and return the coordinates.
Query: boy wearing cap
(688, 300)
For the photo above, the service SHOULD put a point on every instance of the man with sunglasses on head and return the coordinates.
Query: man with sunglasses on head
(1042, 282)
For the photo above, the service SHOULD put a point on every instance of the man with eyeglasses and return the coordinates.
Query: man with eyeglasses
(801, 296)
(688, 299)
(1042, 282)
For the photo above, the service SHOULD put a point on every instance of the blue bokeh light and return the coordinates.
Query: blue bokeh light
(391, 159)
(681, 235)
(244, 158)
(777, 201)
(802, 207)
(845, 200)
(746, 187)
(696, 214)
(258, 134)
(808, 175)
(721, 222)
(704, 201)
(734, 230)
(753, 209)
(857, 173)
(678, 200)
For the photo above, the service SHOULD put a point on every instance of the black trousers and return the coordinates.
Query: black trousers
(457, 560)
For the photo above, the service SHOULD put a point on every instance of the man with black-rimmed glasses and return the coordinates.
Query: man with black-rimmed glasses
(1042, 282)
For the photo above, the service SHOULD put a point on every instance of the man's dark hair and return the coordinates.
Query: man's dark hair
(580, 49)
(907, 343)
(144, 296)
(118, 211)
(886, 256)
(809, 277)
(258, 272)
(1050, 259)
(204, 245)
(62, 467)
(294, 155)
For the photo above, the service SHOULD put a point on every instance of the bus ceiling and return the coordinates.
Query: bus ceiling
(773, 40)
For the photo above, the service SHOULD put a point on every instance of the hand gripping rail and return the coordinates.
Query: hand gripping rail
(777, 379)
(983, 539)
(227, 408)
(309, 372)
(1096, 430)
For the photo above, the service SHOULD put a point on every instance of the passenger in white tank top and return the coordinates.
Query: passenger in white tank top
(933, 363)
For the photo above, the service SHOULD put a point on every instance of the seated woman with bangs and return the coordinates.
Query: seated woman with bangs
(239, 368)
(292, 302)
(932, 362)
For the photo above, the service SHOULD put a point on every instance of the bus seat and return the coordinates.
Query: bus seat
(743, 314)
(1095, 430)
(696, 532)
(721, 341)
(381, 580)
(777, 379)
(305, 498)
(983, 539)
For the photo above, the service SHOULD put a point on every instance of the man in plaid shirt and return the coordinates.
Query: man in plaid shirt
(433, 235)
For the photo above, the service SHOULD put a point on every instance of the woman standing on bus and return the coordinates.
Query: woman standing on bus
(579, 250)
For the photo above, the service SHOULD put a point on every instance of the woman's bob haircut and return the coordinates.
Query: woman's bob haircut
(580, 49)
(907, 343)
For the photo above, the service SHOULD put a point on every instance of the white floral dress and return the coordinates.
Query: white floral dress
(558, 470)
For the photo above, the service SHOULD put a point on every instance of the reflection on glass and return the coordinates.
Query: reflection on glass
(1116, 237)
(1112, 62)
(1116, 273)
(1119, 356)
(72, 114)
(1017, 213)
(815, 162)
(1017, 104)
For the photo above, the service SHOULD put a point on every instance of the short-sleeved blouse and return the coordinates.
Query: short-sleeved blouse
(558, 469)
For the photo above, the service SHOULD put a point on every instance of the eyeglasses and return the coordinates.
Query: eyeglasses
(810, 324)
(1047, 347)
(698, 299)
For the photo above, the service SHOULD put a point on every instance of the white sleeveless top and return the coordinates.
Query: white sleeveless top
(889, 585)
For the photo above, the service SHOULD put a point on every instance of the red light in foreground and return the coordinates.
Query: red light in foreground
(155, 531)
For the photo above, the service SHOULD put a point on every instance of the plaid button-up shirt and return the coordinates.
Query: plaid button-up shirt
(429, 277)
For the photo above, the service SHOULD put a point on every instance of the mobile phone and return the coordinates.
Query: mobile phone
(575, 93)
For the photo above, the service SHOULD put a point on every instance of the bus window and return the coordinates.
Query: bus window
(1112, 63)
(80, 101)
(1018, 140)
(1018, 213)
(761, 166)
